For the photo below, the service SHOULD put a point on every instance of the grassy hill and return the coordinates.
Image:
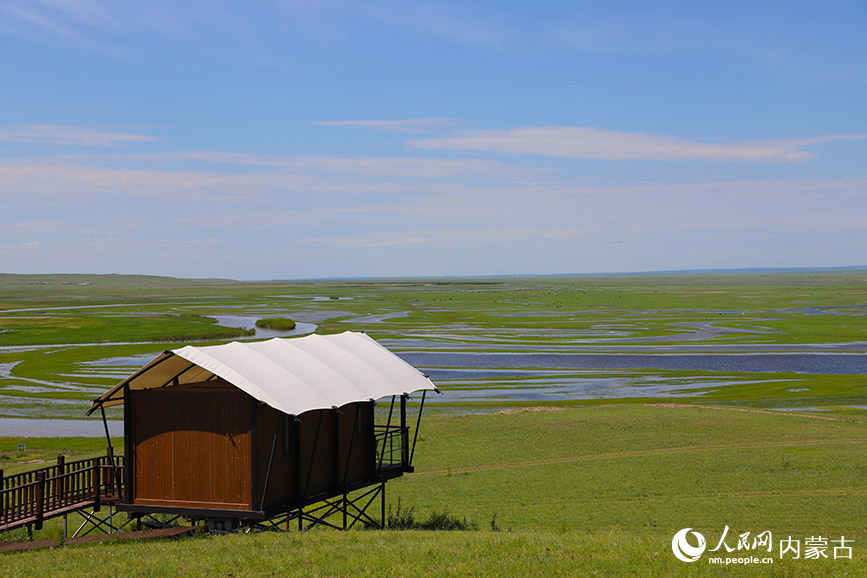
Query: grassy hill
(10, 280)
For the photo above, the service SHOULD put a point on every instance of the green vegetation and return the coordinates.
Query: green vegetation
(599, 314)
(276, 324)
(141, 327)
(42, 452)
(572, 492)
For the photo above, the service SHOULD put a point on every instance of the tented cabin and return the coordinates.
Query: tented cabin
(248, 431)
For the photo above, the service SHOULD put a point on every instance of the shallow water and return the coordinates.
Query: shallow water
(247, 322)
(814, 363)
(50, 428)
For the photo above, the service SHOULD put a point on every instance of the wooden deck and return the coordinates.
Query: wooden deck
(37, 495)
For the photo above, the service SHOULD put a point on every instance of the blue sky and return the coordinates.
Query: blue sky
(291, 139)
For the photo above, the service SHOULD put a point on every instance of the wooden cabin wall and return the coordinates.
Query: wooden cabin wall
(297, 474)
(356, 444)
(209, 447)
(191, 448)
(282, 487)
(318, 471)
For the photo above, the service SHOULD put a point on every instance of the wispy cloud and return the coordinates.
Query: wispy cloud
(356, 166)
(407, 125)
(595, 143)
(70, 135)
(378, 240)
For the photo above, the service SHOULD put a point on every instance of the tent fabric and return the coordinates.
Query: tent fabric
(290, 375)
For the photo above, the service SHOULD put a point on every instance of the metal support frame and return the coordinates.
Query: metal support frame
(105, 523)
(352, 509)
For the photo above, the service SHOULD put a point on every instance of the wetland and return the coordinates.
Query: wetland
(789, 340)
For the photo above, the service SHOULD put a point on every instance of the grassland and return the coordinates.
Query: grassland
(573, 492)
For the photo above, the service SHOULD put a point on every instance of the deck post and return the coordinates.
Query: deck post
(2, 499)
(40, 498)
(94, 482)
(65, 527)
(60, 481)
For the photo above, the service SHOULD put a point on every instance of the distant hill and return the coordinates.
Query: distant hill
(104, 281)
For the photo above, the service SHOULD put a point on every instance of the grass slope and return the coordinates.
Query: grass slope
(579, 491)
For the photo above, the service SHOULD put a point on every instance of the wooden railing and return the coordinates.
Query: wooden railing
(33, 496)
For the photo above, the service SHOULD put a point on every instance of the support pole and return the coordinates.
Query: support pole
(404, 432)
(351, 443)
(382, 504)
(417, 424)
(280, 420)
(390, 411)
(312, 456)
(129, 455)
(116, 476)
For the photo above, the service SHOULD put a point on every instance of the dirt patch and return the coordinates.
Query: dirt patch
(534, 409)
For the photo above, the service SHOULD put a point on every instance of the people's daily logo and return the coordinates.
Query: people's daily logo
(684, 550)
(757, 548)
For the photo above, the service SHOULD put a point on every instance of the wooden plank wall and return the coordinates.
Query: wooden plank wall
(191, 448)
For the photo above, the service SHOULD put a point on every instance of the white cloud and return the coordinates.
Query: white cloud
(594, 143)
(70, 135)
(25, 246)
(408, 125)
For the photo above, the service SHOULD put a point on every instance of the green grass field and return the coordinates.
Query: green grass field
(573, 491)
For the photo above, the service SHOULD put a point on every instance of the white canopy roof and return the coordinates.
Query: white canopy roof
(291, 375)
